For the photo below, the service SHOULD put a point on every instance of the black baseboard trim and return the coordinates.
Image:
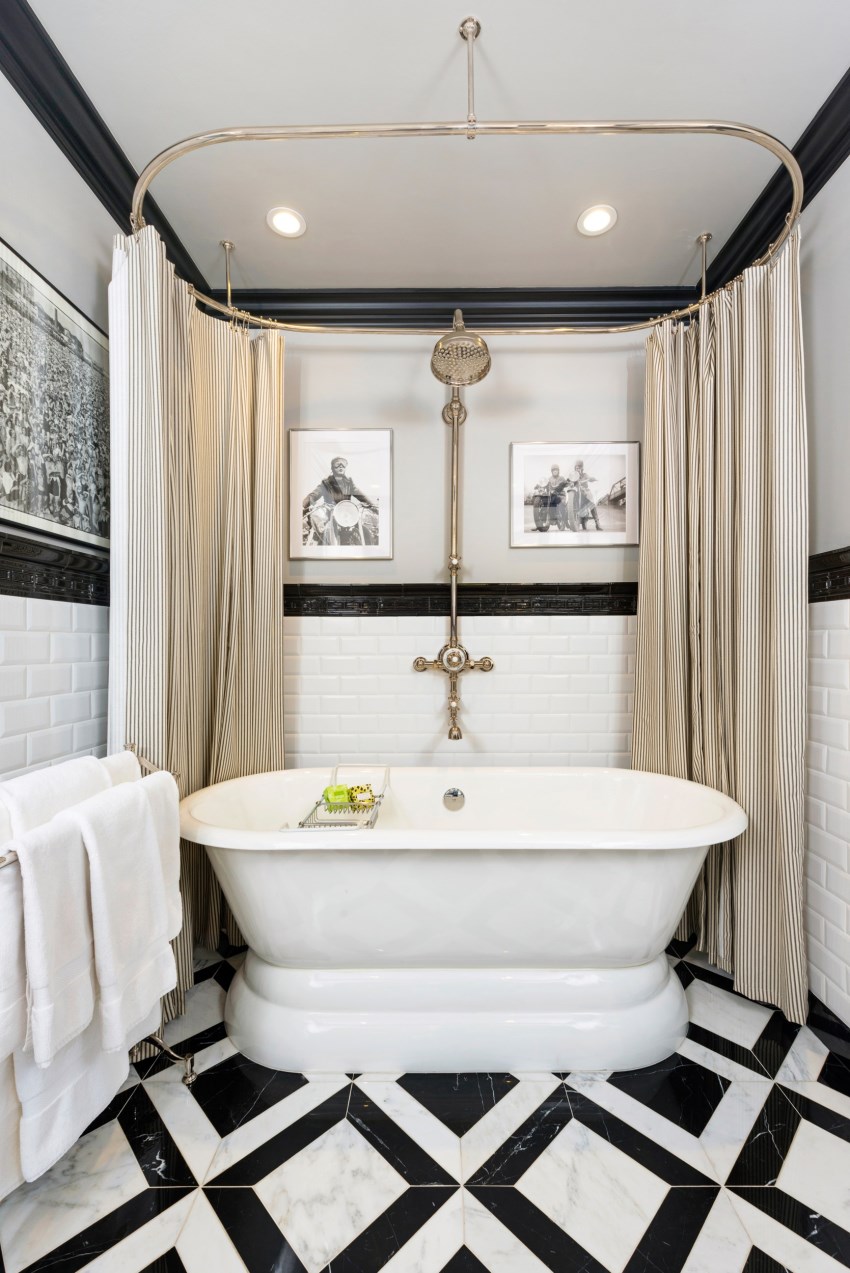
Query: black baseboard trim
(339, 601)
(52, 570)
(829, 575)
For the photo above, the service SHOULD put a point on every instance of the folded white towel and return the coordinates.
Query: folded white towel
(10, 1117)
(13, 972)
(130, 916)
(122, 767)
(57, 934)
(164, 798)
(34, 798)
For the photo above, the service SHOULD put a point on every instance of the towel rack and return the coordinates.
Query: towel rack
(147, 767)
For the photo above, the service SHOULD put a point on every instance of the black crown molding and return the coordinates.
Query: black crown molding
(37, 70)
(820, 152)
(829, 575)
(482, 307)
(340, 601)
(55, 571)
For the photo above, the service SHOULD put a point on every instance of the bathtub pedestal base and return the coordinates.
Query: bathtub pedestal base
(435, 1020)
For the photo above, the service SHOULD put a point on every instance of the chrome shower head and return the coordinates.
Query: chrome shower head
(460, 358)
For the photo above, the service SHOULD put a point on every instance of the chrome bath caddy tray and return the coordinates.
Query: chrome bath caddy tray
(353, 814)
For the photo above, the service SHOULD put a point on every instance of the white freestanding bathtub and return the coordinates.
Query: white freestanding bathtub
(523, 931)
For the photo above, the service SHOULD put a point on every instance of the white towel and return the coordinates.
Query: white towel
(164, 798)
(133, 959)
(11, 1174)
(122, 767)
(34, 798)
(57, 934)
(13, 972)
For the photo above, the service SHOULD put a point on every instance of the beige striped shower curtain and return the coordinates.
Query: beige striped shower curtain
(196, 640)
(721, 657)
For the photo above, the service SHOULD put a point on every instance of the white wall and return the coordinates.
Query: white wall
(52, 682)
(48, 215)
(543, 389)
(828, 805)
(825, 269)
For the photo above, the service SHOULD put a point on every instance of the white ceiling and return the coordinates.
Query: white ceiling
(444, 212)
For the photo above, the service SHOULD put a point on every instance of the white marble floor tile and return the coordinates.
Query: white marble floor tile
(597, 1194)
(251, 1135)
(816, 1171)
(494, 1245)
(493, 1129)
(138, 1250)
(419, 1123)
(203, 1244)
(723, 1245)
(213, 1055)
(204, 1008)
(329, 1193)
(646, 1120)
(430, 1250)
(726, 1014)
(96, 1176)
(192, 1131)
(726, 1132)
(781, 1244)
(805, 1059)
(700, 958)
(204, 958)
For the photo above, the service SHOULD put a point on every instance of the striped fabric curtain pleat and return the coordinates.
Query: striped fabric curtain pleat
(196, 628)
(721, 630)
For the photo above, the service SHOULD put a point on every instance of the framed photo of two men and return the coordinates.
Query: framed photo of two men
(574, 494)
(340, 493)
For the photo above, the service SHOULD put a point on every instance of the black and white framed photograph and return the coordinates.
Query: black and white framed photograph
(340, 493)
(54, 410)
(570, 494)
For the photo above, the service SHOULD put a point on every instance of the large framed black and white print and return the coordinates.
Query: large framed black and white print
(574, 494)
(54, 410)
(340, 493)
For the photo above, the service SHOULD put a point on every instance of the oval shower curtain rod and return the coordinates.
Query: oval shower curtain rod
(471, 129)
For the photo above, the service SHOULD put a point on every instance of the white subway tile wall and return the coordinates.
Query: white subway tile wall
(828, 805)
(561, 693)
(53, 672)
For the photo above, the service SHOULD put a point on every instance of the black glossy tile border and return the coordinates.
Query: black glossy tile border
(55, 571)
(338, 601)
(829, 575)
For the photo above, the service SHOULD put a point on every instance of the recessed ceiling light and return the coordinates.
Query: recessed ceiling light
(286, 221)
(597, 220)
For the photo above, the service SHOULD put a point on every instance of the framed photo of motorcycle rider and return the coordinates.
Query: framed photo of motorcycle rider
(574, 494)
(340, 493)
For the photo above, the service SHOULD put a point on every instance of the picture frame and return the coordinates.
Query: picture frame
(574, 494)
(340, 494)
(54, 410)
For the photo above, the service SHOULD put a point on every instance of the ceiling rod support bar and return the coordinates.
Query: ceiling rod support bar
(703, 240)
(469, 30)
(228, 248)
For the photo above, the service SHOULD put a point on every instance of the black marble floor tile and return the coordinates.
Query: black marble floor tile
(152, 1143)
(168, 1263)
(237, 1090)
(681, 948)
(194, 1044)
(252, 1231)
(836, 1073)
(829, 1029)
(684, 972)
(821, 1115)
(224, 974)
(800, 1219)
(458, 1100)
(726, 1048)
(513, 1158)
(388, 1234)
(759, 1262)
(763, 1154)
(464, 1262)
(774, 1043)
(666, 1244)
(280, 1148)
(680, 1090)
(205, 973)
(108, 1232)
(411, 1162)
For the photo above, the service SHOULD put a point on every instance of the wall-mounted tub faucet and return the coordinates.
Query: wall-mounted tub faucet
(459, 359)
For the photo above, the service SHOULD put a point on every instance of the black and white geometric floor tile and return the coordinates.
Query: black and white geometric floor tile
(731, 1156)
